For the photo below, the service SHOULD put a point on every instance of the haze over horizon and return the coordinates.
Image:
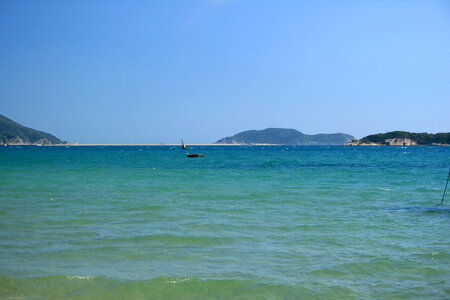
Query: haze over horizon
(158, 71)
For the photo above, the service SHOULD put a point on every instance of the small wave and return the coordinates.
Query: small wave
(384, 189)
(163, 239)
(178, 280)
(85, 287)
(77, 277)
(433, 210)
(79, 287)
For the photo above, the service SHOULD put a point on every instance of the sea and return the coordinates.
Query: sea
(242, 222)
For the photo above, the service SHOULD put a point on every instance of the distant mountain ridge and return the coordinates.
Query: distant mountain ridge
(285, 136)
(12, 133)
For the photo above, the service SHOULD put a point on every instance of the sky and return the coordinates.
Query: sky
(199, 70)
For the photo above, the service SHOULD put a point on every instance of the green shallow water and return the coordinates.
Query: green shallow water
(269, 222)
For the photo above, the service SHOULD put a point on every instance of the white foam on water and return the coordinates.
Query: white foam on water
(179, 280)
(77, 277)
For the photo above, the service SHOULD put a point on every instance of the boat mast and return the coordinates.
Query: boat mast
(443, 196)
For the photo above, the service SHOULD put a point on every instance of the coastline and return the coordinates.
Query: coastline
(155, 145)
(388, 145)
(175, 145)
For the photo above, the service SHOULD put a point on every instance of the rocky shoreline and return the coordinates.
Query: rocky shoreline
(391, 142)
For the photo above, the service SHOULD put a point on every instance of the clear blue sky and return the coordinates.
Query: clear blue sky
(158, 71)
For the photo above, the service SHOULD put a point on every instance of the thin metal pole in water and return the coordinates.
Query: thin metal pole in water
(442, 201)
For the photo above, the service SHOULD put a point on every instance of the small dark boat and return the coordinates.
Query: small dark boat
(194, 155)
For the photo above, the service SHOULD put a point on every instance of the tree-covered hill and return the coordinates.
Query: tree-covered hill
(283, 136)
(14, 133)
(418, 138)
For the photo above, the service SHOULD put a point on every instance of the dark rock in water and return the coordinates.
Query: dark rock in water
(12, 133)
(283, 136)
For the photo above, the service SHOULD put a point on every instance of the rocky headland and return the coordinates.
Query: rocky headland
(12, 133)
(403, 138)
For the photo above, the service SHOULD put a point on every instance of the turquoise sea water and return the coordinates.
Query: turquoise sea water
(261, 222)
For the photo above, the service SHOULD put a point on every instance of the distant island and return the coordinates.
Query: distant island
(403, 138)
(284, 136)
(12, 133)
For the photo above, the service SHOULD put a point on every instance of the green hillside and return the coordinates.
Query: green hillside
(14, 133)
(283, 136)
(418, 138)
